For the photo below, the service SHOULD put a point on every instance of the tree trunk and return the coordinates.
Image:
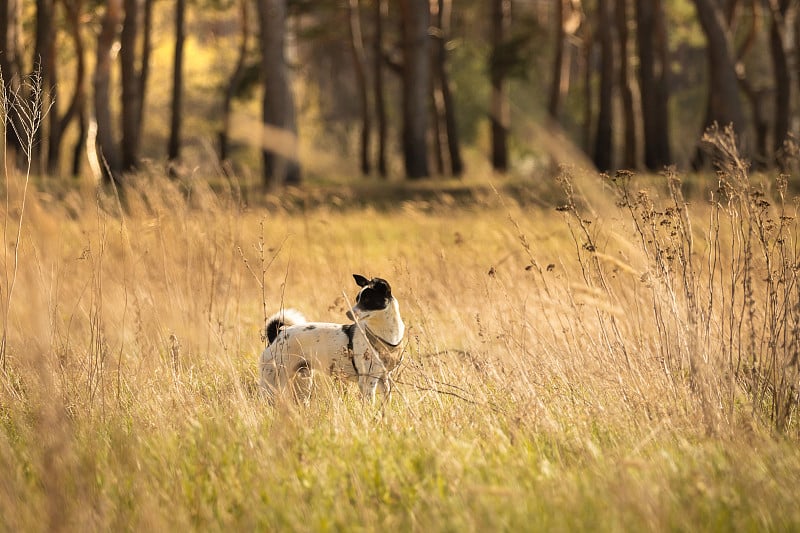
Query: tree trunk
(77, 104)
(587, 53)
(629, 111)
(45, 65)
(135, 69)
(653, 67)
(447, 120)
(10, 66)
(107, 153)
(724, 106)
(453, 142)
(415, 15)
(174, 144)
(797, 47)
(756, 96)
(131, 97)
(80, 142)
(758, 101)
(437, 96)
(557, 85)
(380, 106)
(359, 64)
(235, 80)
(783, 82)
(603, 141)
(438, 133)
(144, 69)
(499, 110)
(279, 135)
(661, 85)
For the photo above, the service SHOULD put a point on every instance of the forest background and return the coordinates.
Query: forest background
(409, 88)
(589, 217)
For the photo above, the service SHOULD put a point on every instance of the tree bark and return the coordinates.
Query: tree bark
(447, 116)
(653, 68)
(131, 97)
(557, 85)
(380, 106)
(796, 49)
(144, 69)
(10, 70)
(415, 15)
(724, 106)
(439, 131)
(107, 153)
(279, 134)
(45, 65)
(783, 82)
(359, 65)
(629, 108)
(77, 103)
(235, 80)
(756, 96)
(661, 140)
(80, 142)
(587, 53)
(603, 141)
(499, 110)
(135, 70)
(174, 144)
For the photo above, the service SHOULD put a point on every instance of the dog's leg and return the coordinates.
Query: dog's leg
(385, 387)
(303, 383)
(367, 384)
(276, 377)
(268, 373)
(370, 373)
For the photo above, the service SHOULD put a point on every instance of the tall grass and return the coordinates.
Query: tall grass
(611, 371)
(725, 312)
(23, 108)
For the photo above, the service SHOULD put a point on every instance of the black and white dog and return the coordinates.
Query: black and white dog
(366, 350)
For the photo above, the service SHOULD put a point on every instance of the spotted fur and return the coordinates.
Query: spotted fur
(366, 350)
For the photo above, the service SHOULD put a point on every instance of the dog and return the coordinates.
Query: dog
(366, 350)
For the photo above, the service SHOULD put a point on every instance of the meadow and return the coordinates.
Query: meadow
(597, 354)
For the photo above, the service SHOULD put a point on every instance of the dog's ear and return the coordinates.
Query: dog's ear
(361, 281)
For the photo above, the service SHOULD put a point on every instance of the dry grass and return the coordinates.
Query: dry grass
(625, 369)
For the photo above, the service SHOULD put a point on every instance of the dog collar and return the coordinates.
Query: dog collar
(386, 350)
(374, 338)
(350, 331)
(390, 354)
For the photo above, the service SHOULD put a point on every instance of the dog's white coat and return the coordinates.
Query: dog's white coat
(306, 347)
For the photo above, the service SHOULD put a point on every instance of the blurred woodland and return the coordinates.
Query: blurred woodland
(413, 88)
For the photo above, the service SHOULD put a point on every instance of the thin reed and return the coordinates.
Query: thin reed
(722, 290)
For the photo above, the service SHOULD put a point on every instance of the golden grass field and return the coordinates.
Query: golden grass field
(593, 367)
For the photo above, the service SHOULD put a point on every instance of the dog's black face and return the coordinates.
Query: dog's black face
(375, 295)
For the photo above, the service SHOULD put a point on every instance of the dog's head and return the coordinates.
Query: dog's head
(375, 295)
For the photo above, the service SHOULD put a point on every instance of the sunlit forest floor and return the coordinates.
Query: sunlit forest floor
(569, 362)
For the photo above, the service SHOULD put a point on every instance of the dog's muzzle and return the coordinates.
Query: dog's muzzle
(349, 315)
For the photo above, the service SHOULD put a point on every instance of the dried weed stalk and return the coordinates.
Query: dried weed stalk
(726, 316)
(22, 112)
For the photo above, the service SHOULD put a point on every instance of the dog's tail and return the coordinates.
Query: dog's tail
(281, 319)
